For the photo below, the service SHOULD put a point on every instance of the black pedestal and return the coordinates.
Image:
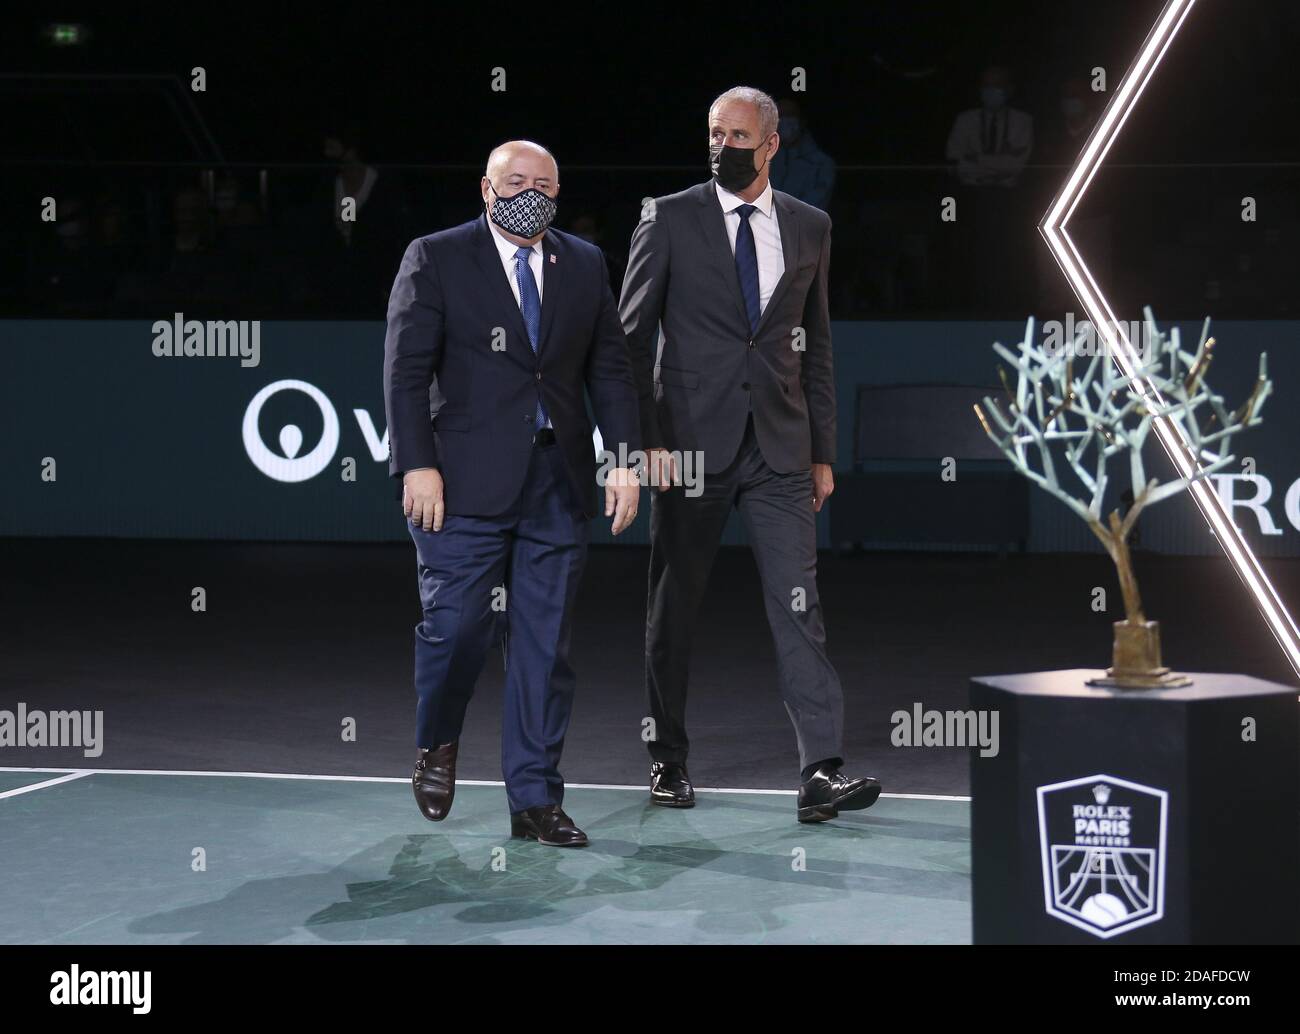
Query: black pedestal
(1138, 817)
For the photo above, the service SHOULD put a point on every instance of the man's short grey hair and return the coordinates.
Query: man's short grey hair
(767, 114)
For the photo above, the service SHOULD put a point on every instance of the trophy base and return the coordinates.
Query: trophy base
(1227, 859)
(1137, 660)
(1163, 680)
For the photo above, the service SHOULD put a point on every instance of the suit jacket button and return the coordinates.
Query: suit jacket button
(528, 417)
(751, 344)
(745, 385)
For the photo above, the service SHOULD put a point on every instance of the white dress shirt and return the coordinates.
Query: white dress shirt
(1011, 133)
(767, 237)
(508, 250)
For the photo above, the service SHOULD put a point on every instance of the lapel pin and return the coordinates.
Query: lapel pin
(552, 258)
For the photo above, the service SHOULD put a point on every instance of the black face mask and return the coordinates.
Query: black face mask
(732, 167)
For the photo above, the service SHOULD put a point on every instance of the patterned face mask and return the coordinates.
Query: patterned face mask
(525, 214)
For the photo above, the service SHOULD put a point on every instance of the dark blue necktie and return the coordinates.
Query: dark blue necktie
(530, 305)
(747, 265)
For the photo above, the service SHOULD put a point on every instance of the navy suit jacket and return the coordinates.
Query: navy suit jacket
(461, 381)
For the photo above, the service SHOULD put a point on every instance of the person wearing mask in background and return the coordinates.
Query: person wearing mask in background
(990, 145)
(801, 168)
(992, 239)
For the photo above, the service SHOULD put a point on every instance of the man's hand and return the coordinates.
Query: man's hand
(422, 498)
(823, 484)
(622, 494)
(662, 469)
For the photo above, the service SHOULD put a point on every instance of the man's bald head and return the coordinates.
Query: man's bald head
(516, 166)
(516, 161)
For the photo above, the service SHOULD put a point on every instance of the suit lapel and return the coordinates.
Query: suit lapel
(789, 225)
(553, 270)
(489, 260)
(714, 227)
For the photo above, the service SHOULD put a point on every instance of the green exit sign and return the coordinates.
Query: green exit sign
(66, 34)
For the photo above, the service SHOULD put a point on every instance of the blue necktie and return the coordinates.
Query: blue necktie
(530, 304)
(747, 265)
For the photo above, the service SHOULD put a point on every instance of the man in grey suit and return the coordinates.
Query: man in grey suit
(730, 276)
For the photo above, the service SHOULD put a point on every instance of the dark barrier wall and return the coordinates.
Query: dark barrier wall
(148, 446)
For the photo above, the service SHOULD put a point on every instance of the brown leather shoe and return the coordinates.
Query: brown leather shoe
(547, 825)
(434, 781)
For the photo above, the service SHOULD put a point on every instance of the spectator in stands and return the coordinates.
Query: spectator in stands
(116, 246)
(252, 273)
(114, 239)
(800, 167)
(992, 240)
(359, 255)
(990, 145)
(65, 276)
(192, 233)
(71, 227)
(192, 269)
(239, 229)
(1066, 131)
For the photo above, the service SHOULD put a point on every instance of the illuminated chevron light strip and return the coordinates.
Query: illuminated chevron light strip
(1115, 335)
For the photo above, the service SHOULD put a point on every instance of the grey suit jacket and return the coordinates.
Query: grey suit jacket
(696, 391)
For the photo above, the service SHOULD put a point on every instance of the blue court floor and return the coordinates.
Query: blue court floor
(112, 857)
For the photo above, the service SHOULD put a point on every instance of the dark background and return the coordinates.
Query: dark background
(620, 94)
(604, 84)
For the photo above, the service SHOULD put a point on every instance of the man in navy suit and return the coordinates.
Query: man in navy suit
(498, 332)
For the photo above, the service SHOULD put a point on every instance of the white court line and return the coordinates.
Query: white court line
(40, 786)
(78, 772)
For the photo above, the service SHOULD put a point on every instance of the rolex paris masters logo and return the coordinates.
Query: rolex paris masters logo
(1103, 845)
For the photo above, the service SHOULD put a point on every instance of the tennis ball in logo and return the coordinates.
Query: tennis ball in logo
(1103, 910)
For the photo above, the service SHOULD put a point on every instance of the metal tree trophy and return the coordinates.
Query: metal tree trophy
(1099, 415)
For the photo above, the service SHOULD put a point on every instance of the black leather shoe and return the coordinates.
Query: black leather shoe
(547, 825)
(670, 786)
(830, 792)
(434, 781)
